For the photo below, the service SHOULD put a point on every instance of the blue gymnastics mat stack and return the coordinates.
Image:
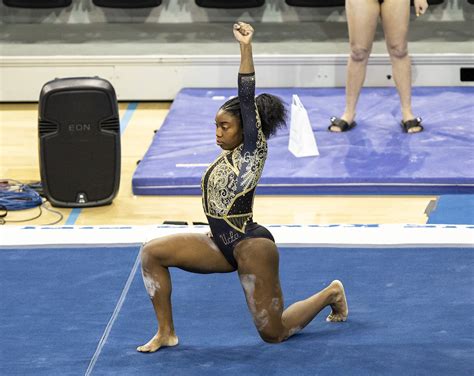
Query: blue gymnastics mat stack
(376, 157)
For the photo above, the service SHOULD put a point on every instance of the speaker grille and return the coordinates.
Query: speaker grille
(110, 125)
(47, 127)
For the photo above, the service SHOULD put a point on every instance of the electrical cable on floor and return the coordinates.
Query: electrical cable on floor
(55, 212)
(15, 196)
(3, 221)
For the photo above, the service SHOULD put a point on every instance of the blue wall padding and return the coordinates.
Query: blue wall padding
(375, 157)
(453, 209)
(55, 305)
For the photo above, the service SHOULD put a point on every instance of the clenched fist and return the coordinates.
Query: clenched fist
(243, 32)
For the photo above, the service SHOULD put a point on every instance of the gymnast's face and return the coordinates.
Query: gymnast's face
(228, 130)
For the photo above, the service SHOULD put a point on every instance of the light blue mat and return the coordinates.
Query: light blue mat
(453, 209)
(374, 158)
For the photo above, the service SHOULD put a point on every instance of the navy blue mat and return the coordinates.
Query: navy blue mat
(374, 158)
(404, 319)
(453, 209)
(55, 304)
(410, 314)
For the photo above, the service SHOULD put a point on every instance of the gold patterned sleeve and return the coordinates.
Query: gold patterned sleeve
(254, 149)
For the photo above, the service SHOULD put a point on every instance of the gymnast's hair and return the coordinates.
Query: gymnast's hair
(271, 109)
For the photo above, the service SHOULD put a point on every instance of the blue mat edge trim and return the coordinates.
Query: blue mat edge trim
(333, 190)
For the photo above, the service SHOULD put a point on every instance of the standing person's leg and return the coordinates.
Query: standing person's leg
(395, 20)
(362, 17)
(258, 262)
(192, 252)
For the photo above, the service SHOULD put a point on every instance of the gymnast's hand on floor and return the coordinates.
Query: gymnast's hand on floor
(243, 32)
(420, 7)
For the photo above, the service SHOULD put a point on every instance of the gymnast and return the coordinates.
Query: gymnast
(362, 16)
(236, 242)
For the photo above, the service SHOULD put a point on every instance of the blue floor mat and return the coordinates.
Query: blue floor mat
(374, 158)
(410, 314)
(403, 319)
(453, 209)
(55, 304)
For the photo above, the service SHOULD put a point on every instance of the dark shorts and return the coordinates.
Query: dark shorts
(252, 230)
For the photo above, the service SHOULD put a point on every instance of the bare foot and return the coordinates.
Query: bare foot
(158, 341)
(339, 307)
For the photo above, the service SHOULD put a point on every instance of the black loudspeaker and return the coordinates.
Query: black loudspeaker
(37, 3)
(79, 142)
(127, 3)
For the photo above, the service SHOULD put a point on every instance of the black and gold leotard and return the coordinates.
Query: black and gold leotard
(229, 183)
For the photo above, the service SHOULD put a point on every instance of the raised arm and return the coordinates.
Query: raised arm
(255, 147)
(243, 33)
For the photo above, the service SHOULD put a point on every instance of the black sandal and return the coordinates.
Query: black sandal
(343, 125)
(410, 124)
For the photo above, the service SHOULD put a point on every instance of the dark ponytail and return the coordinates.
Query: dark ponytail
(272, 113)
(271, 109)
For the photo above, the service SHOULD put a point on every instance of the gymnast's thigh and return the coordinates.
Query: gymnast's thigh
(192, 252)
(258, 268)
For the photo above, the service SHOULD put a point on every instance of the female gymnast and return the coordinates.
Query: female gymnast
(362, 16)
(236, 242)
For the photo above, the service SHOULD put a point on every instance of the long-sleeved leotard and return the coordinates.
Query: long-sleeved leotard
(228, 185)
